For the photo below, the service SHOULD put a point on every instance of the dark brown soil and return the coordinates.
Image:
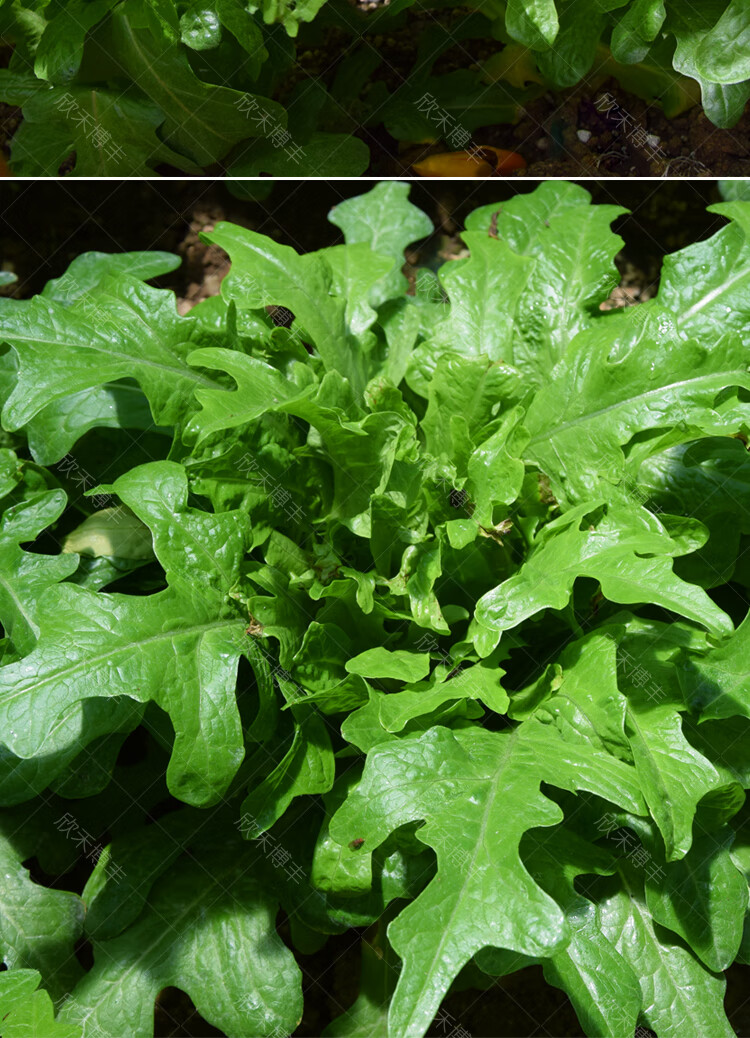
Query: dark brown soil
(44, 225)
(692, 146)
(547, 136)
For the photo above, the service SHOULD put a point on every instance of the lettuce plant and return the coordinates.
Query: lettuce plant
(671, 52)
(352, 601)
(707, 41)
(121, 87)
(127, 87)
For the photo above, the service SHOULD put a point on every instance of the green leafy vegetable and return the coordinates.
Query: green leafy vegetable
(426, 615)
(122, 88)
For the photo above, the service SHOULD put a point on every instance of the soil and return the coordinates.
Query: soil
(44, 225)
(567, 135)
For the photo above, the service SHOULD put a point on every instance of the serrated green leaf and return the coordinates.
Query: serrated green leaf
(471, 782)
(126, 870)
(306, 768)
(384, 663)
(24, 576)
(91, 268)
(673, 776)
(246, 983)
(264, 273)
(678, 994)
(384, 219)
(113, 133)
(483, 290)
(574, 546)
(560, 250)
(202, 120)
(707, 285)
(601, 984)
(28, 1012)
(120, 329)
(300, 639)
(703, 898)
(586, 704)
(179, 647)
(58, 56)
(481, 681)
(473, 390)
(716, 685)
(641, 377)
(38, 926)
(714, 476)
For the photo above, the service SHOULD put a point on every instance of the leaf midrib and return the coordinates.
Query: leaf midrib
(88, 661)
(16, 600)
(494, 781)
(710, 297)
(191, 115)
(645, 919)
(183, 371)
(548, 434)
